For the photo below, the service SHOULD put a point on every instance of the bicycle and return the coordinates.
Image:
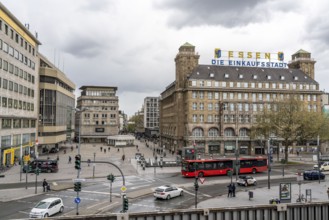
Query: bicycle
(301, 198)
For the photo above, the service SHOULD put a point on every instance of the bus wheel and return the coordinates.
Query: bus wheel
(200, 174)
(254, 171)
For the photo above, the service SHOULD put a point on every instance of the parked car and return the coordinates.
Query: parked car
(246, 181)
(167, 192)
(54, 150)
(47, 207)
(313, 175)
(45, 166)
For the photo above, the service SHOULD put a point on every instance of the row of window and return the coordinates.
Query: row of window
(12, 86)
(100, 93)
(98, 102)
(152, 125)
(15, 53)
(18, 39)
(214, 132)
(87, 115)
(8, 123)
(247, 96)
(241, 106)
(254, 85)
(16, 104)
(88, 122)
(17, 139)
(7, 66)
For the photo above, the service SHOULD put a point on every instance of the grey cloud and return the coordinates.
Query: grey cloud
(225, 13)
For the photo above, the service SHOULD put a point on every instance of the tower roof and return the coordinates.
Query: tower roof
(187, 44)
(301, 51)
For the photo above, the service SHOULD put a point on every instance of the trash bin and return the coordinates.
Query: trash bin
(251, 194)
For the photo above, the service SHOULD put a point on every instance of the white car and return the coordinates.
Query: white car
(246, 181)
(324, 166)
(167, 192)
(47, 207)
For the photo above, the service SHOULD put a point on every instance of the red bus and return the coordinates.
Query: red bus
(215, 167)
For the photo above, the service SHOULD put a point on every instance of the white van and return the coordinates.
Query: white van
(47, 207)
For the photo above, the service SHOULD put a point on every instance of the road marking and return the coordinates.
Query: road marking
(96, 192)
(89, 207)
(108, 206)
(206, 195)
(24, 212)
(136, 187)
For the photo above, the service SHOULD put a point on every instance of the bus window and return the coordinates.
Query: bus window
(210, 166)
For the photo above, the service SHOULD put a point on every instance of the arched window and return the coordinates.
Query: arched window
(229, 132)
(197, 132)
(213, 132)
(244, 132)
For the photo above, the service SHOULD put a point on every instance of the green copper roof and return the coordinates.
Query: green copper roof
(187, 44)
(301, 51)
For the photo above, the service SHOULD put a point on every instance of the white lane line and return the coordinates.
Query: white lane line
(92, 206)
(206, 195)
(108, 206)
(136, 187)
(24, 212)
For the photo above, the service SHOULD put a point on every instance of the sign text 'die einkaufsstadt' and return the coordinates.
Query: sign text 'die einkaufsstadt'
(249, 59)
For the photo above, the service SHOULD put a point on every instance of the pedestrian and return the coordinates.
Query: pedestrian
(101, 149)
(229, 187)
(57, 157)
(88, 161)
(233, 190)
(328, 192)
(118, 149)
(71, 148)
(123, 157)
(45, 185)
(104, 151)
(70, 159)
(109, 149)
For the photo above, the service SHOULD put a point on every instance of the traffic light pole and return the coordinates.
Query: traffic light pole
(269, 165)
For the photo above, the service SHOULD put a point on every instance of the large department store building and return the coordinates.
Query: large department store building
(19, 89)
(213, 106)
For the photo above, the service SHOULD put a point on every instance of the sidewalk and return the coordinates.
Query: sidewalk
(63, 179)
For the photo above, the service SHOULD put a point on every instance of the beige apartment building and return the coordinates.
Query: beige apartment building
(57, 106)
(18, 89)
(97, 115)
(214, 106)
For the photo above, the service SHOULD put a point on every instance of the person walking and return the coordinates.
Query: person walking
(88, 162)
(45, 185)
(101, 149)
(70, 159)
(229, 187)
(233, 189)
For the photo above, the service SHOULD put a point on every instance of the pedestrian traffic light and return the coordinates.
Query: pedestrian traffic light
(125, 203)
(78, 162)
(77, 186)
(271, 158)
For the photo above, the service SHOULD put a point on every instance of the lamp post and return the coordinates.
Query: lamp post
(318, 155)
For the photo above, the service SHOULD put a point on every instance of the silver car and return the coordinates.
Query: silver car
(167, 192)
(246, 181)
(47, 207)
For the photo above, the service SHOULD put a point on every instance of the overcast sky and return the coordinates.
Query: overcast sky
(132, 44)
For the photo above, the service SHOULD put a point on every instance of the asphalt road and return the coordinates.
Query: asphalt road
(95, 195)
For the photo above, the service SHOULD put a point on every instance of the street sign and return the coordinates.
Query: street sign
(77, 200)
(202, 179)
(123, 188)
(79, 180)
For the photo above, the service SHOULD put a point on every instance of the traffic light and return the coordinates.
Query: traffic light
(271, 158)
(77, 186)
(196, 185)
(78, 162)
(125, 203)
(111, 177)
(37, 171)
